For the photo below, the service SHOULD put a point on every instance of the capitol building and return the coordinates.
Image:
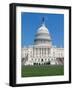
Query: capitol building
(42, 52)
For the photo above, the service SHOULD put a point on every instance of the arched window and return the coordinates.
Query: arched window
(42, 60)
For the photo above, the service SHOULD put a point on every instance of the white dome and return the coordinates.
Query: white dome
(42, 35)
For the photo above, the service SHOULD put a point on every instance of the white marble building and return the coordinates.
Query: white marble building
(42, 52)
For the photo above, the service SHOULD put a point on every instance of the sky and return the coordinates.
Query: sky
(30, 22)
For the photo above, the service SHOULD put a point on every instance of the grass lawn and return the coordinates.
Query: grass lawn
(43, 70)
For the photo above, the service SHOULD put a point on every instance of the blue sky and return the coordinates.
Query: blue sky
(32, 21)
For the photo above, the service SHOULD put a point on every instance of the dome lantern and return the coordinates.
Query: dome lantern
(43, 21)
